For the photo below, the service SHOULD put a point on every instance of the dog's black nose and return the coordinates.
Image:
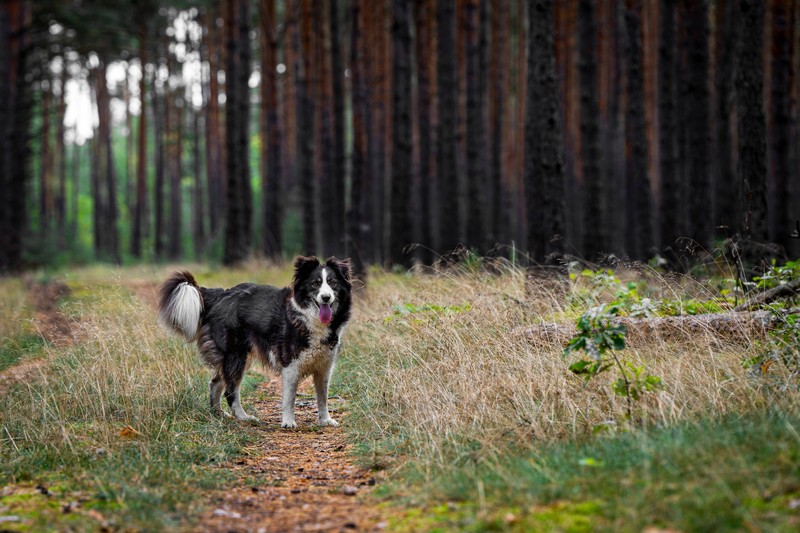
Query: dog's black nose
(326, 298)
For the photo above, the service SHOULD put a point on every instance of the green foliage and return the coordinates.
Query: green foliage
(600, 336)
(778, 274)
(780, 351)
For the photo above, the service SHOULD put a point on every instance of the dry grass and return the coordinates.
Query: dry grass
(433, 381)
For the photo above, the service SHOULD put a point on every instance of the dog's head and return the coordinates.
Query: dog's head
(323, 287)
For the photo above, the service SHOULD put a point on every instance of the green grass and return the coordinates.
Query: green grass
(730, 474)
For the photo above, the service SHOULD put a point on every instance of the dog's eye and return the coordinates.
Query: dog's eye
(315, 284)
(332, 283)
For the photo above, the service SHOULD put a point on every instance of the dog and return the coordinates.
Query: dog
(295, 331)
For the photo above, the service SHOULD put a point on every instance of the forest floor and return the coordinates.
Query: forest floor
(303, 479)
(454, 416)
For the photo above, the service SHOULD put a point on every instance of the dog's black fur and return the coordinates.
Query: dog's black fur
(285, 328)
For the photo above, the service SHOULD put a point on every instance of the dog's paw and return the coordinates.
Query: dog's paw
(289, 424)
(249, 418)
(328, 422)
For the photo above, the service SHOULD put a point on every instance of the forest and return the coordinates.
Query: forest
(397, 132)
(573, 228)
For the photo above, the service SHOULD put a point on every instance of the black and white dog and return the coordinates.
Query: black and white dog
(295, 331)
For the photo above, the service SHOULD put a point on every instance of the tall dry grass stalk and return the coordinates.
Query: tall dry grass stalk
(434, 380)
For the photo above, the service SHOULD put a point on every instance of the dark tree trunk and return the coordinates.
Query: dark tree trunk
(61, 158)
(198, 209)
(638, 224)
(672, 209)
(751, 122)
(476, 168)
(158, 189)
(356, 215)
(424, 15)
(446, 138)
(544, 168)
(215, 168)
(727, 189)
(15, 115)
(45, 166)
(595, 228)
(400, 228)
(271, 134)
(783, 39)
(500, 219)
(696, 104)
(305, 130)
(238, 224)
(108, 172)
(175, 228)
(335, 201)
(140, 208)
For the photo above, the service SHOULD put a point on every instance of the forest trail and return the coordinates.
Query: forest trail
(301, 479)
(294, 480)
(50, 323)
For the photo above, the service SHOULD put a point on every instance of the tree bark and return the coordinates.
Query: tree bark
(696, 104)
(400, 228)
(500, 216)
(727, 189)
(140, 208)
(336, 220)
(446, 138)
(271, 135)
(595, 229)
(425, 50)
(544, 168)
(356, 215)
(238, 224)
(783, 42)
(752, 167)
(305, 130)
(639, 223)
(476, 165)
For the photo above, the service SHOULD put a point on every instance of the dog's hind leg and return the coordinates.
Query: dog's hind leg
(290, 377)
(216, 386)
(321, 379)
(233, 371)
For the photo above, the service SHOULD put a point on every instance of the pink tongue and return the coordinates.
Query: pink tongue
(325, 313)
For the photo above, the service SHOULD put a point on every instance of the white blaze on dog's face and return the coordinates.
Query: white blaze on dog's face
(326, 294)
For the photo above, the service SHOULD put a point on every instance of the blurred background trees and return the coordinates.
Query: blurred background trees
(152, 130)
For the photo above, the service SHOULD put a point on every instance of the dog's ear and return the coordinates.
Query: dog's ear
(342, 266)
(303, 267)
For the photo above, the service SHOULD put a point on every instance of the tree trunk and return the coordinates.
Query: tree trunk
(238, 225)
(141, 161)
(544, 150)
(595, 234)
(61, 157)
(424, 14)
(446, 138)
(215, 169)
(175, 229)
(305, 130)
(400, 229)
(159, 113)
(476, 168)
(356, 213)
(727, 189)
(108, 175)
(271, 135)
(198, 203)
(783, 41)
(751, 122)
(696, 104)
(500, 216)
(45, 166)
(15, 116)
(638, 224)
(335, 220)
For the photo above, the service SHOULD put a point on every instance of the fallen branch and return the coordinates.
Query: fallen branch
(732, 325)
(786, 290)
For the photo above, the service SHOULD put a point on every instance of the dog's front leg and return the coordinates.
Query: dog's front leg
(321, 380)
(289, 379)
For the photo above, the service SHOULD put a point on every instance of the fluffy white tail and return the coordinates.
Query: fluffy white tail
(181, 305)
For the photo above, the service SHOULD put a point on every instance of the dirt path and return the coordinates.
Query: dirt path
(51, 324)
(290, 480)
(295, 480)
